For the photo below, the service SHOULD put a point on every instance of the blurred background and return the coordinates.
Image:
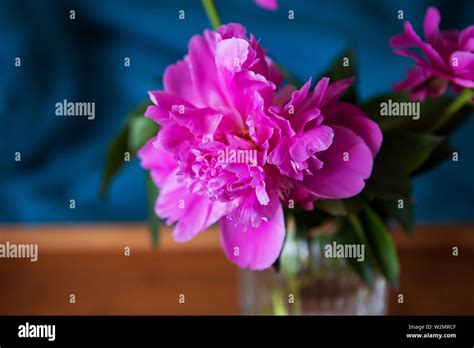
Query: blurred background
(83, 60)
(62, 158)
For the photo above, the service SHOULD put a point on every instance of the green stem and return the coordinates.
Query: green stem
(279, 307)
(294, 286)
(212, 13)
(213, 16)
(464, 98)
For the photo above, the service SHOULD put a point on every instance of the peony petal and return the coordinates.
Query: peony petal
(427, 49)
(347, 163)
(466, 39)
(350, 116)
(336, 90)
(232, 54)
(193, 212)
(431, 25)
(178, 81)
(249, 211)
(174, 138)
(254, 248)
(315, 140)
(402, 40)
(158, 160)
(160, 112)
(280, 157)
(283, 96)
(466, 83)
(414, 78)
(267, 4)
(319, 92)
(462, 64)
(230, 30)
(297, 98)
(204, 72)
(199, 121)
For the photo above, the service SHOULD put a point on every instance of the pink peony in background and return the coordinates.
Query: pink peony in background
(267, 4)
(222, 98)
(449, 58)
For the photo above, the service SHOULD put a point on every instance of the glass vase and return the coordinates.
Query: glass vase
(310, 283)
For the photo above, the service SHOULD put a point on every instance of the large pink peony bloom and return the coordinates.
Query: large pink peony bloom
(449, 58)
(220, 100)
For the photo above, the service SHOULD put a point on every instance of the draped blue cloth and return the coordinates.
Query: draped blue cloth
(83, 60)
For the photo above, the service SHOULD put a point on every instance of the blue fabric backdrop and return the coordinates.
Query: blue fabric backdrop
(82, 60)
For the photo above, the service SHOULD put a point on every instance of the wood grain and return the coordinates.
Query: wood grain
(89, 261)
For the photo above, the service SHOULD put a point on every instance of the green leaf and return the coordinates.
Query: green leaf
(289, 262)
(438, 156)
(339, 71)
(373, 107)
(306, 220)
(128, 140)
(408, 150)
(154, 222)
(380, 241)
(335, 207)
(347, 234)
(141, 130)
(440, 115)
(340, 207)
(388, 187)
(387, 182)
(115, 159)
(400, 209)
(455, 114)
(401, 154)
(135, 133)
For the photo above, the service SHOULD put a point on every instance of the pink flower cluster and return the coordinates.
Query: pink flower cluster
(223, 101)
(448, 61)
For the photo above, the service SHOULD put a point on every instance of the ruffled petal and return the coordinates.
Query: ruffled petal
(336, 90)
(173, 138)
(193, 212)
(199, 121)
(232, 54)
(163, 102)
(178, 81)
(158, 160)
(315, 140)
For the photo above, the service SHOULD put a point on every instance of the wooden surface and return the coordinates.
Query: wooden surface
(89, 262)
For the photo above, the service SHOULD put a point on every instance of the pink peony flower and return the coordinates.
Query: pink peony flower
(325, 146)
(232, 150)
(267, 4)
(449, 58)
